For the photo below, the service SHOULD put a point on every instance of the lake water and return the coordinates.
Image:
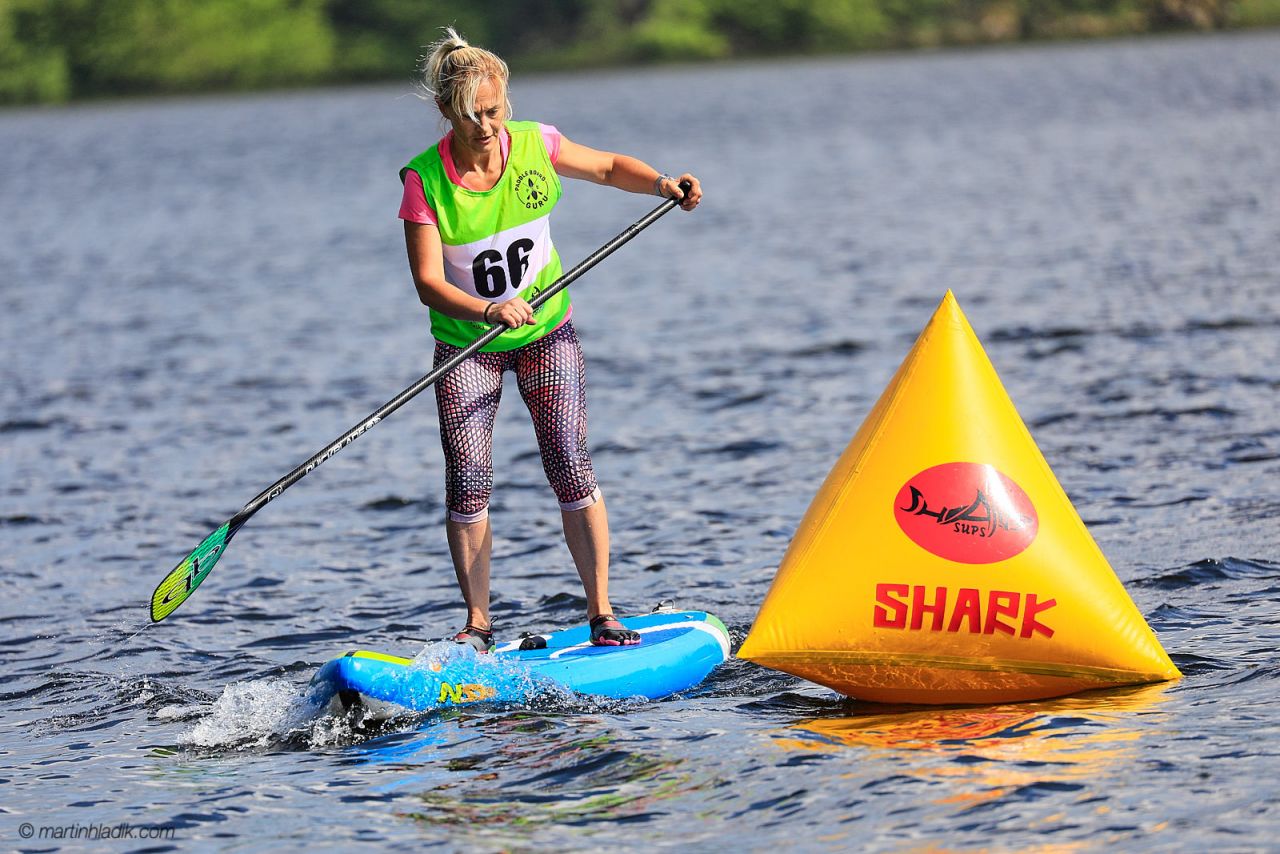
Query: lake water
(197, 294)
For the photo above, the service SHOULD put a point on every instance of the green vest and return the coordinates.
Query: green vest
(497, 242)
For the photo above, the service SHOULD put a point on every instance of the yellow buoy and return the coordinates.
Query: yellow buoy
(941, 561)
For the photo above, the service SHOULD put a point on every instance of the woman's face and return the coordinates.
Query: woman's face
(480, 136)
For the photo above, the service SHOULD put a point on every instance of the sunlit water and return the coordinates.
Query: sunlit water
(198, 294)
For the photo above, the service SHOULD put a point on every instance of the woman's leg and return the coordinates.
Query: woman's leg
(470, 545)
(553, 382)
(468, 398)
(586, 532)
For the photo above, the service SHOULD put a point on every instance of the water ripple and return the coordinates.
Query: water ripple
(1106, 215)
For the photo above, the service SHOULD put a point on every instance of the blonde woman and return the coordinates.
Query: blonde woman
(476, 210)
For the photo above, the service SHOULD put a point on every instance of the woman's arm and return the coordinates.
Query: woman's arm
(623, 172)
(426, 262)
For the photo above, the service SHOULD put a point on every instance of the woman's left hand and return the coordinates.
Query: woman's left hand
(670, 187)
(513, 313)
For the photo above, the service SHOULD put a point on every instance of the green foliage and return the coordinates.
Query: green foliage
(52, 50)
(33, 66)
(1255, 13)
(677, 29)
(1179, 14)
(377, 39)
(850, 24)
(780, 26)
(178, 45)
(594, 33)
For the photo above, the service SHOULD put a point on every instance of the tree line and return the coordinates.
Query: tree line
(57, 50)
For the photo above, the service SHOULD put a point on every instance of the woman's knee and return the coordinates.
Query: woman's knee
(582, 503)
(570, 474)
(468, 489)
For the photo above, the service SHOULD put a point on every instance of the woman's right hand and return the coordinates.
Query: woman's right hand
(513, 313)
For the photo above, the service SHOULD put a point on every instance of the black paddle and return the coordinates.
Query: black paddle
(184, 578)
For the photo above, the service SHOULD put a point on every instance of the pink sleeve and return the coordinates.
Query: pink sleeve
(551, 139)
(413, 204)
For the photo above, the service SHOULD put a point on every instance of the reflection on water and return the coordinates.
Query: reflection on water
(541, 771)
(985, 753)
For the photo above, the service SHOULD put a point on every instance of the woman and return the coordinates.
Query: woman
(475, 211)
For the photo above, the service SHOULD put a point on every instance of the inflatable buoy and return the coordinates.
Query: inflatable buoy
(941, 561)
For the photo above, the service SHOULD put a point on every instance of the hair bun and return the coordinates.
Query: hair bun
(453, 83)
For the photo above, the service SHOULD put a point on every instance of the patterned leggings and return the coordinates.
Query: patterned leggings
(552, 378)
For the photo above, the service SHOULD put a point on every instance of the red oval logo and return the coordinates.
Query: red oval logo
(967, 513)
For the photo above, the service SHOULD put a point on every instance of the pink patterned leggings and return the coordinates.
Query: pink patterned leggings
(552, 378)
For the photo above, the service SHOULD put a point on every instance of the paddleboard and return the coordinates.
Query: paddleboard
(676, 652)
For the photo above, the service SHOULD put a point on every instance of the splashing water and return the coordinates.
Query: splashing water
(259, 713)
(517, 678)
(271, 712)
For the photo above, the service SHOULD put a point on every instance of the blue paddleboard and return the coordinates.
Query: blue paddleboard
(677, 651)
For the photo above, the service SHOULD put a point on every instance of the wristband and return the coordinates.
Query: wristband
(486, 313)
(657, 183)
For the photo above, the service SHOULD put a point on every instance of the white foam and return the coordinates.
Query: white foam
(440, 653)
(511, 670)
(254, 714)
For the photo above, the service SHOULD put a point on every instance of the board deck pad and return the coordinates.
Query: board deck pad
(678, 649)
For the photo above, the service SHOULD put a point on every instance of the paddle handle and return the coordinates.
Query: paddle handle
(324, 455)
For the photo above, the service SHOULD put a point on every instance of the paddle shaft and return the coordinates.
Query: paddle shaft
(273, 491)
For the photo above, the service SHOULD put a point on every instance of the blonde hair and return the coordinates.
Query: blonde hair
(452, 72)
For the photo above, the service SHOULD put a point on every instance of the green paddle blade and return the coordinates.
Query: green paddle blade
(184, 578)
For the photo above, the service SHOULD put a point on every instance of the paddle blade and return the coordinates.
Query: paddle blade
(184, 578)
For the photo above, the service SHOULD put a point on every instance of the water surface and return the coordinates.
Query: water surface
(195, 295)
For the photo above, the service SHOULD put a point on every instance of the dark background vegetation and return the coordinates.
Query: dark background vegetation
(57, 50)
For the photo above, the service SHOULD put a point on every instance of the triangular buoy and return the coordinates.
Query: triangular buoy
(941, 561)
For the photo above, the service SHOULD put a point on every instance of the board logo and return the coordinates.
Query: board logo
(465, 693)
(532, 189)
(966, 513)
